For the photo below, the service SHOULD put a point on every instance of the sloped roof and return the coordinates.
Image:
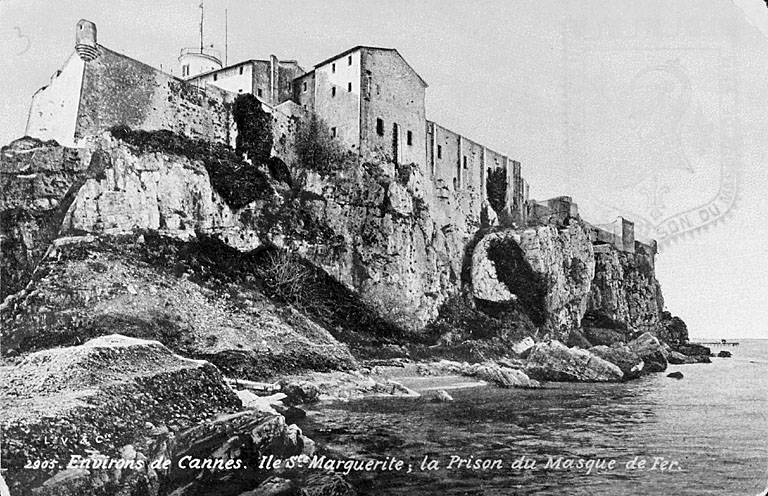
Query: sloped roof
(367, 47)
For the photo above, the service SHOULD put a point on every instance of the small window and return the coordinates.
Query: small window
(439, 151)
(304, 86)
(215, 77)
(380, 127)
(241, 70)
(259, 92)
(349, 60)
(185, 70)
(333, 132)
(409, 137)
(333, 91)
(240, 90)
(349, 87)
(464, 162)
(333, 68)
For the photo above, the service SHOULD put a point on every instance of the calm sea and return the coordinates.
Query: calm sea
(713, 424)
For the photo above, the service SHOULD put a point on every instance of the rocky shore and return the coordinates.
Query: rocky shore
(163, 321)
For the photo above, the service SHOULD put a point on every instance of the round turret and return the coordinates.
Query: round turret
(85, 40)
(194, 61)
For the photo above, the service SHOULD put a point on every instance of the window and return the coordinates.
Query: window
(185, 70)
(464, 162)
(304, 86)
(349, 60)
(439, 151)
(409, 138)
(380, 127)
(349, 86)
(333, 91)
(259, 92)
(333, 132)
(333, 68)
(241, 70)
(215, 77)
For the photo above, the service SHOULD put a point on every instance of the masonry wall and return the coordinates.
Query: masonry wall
(304, 91)
(53, 111)
(118, 90)
(336, 102)
(237, 79)
(393, 93)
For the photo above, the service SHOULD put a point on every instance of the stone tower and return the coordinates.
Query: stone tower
(85, 40)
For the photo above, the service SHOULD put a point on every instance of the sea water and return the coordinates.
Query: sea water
(706, 434)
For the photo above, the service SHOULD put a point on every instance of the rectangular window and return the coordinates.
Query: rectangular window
(241, 70)
(409, 138)
(465, 161)
(349, 60)
(215, 77)
(333, 91)
(304, 86)
(349, 87)
(380, 127)
(184, 70)
(258, 92)
(439, 151)
(333, 132)
(333, 68)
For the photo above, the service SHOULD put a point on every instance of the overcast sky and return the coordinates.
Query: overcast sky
(645, 108)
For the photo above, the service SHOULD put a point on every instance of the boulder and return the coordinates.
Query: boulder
(651, 351)
(693, 349)
(553, 361)
(724, 354)
(442, 397)
(500, 375)
(676, 375)
(602, 336)
(300, 393)
(628, 361)
(522, 347)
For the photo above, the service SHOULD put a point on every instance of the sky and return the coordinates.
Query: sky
(653, 110)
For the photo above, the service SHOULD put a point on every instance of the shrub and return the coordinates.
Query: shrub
(316, 149)
(496, 186)
(237, 182)
(254, 129)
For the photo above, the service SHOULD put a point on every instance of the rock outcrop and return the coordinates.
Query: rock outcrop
(563, 267)
(627, 360)
(625, 290)
(553, 361)
(651, 351)
(106, 414)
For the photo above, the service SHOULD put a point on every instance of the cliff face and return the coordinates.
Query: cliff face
(625, 290)
(562, 266)
(383, 231)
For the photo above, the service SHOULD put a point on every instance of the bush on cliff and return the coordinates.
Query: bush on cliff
(518, 276)
(254, 129)
(316, 148)
(237, 182)
(496, 186)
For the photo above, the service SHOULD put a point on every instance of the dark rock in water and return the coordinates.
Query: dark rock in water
(300, 393)
(577, 340)
(676, 375)
(693, 349)
(553, 361)
(599, 336)
(650, 350)
(628, 361)
(724, 354)
(275, 486)
(442, 397)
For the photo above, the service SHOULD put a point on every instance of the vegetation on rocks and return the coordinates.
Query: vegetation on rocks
(316, 148)
(238, 182)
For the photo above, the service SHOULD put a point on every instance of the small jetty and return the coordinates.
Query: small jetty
(722, 342)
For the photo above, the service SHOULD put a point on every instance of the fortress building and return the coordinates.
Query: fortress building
(371, 99)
